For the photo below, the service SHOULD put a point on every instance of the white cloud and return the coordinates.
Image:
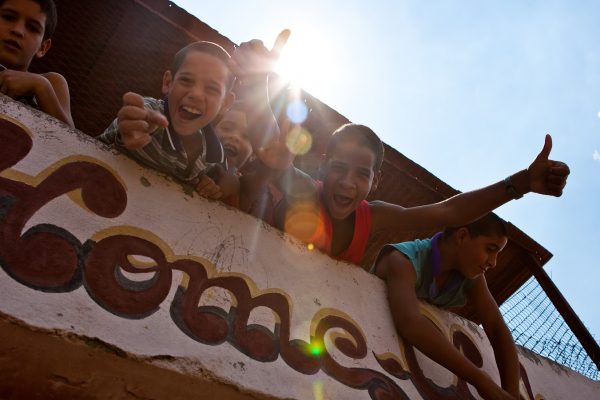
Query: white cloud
(596, 155)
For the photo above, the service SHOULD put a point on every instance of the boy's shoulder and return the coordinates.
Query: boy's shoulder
(53, 76)
(414, 249)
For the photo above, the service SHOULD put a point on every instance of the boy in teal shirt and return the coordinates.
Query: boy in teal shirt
(448, 271)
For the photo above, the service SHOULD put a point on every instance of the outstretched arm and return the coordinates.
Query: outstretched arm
(543, 176)
(498, 334)
(417, 330)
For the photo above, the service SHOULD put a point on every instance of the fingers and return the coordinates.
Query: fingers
(558, 168)
(134, 108)
(254, 45)
(254, 58)
(545, 153)
(557, 177)
(157, 119)
(133, 99)
(136, 123)
(280, 42)
(208, 188)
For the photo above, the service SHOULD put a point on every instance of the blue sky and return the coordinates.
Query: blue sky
(467, 89)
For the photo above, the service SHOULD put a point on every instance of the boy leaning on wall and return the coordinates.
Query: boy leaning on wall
(26, 28)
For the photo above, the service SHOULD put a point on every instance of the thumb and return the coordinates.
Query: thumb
(546, 149)
(280, 42)
(133, 99)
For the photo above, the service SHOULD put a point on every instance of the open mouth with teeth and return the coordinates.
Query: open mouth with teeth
(342, 201)
(230, 150)
(189, 113)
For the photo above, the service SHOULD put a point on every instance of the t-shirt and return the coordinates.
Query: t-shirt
(421, 254)
(165, 152)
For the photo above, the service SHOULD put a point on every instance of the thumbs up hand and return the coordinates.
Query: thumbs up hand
(547, 176)
(252, 61)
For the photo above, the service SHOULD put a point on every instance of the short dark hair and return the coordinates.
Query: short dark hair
(488, 225)
(361, 132)
(204, 47)
(48, 8)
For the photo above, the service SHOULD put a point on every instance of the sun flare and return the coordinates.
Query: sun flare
(307, 61)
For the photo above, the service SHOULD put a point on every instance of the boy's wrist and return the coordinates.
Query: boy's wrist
(518, 184)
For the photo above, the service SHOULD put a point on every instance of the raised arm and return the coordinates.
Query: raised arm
(543, 176)
(417, 330)
(498, 334)
(252, 63)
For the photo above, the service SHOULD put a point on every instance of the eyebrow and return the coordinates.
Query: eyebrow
(36, 22)
(28, 19)
(337, 162)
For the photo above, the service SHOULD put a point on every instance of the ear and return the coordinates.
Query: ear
(376, 180)
(227, 102)
(166, 84)
(461, 234)
(44, 47)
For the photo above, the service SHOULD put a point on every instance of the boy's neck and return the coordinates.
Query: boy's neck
(342, 233)
(447, 259)
(191, 145)
(20, 68)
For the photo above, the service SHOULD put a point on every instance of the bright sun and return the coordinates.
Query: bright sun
(307, 61)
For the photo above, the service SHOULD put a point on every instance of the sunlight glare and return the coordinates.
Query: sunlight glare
(299, 140)
(307, 60)
(297, 111)
(318, 390)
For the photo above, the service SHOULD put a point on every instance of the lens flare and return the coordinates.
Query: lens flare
(297, 111)
(318, 390)
(299, 140)
(310, 246)
(302, 221)
(316, 349)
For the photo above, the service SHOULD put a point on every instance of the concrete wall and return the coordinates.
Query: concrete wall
(117, 283)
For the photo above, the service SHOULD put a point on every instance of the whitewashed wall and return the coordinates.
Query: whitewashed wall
(71, 210)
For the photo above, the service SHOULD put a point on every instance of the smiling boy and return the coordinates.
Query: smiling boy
(344, 220)
(173, 134)
(448, 271)
(232, 131)
(26, 27)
